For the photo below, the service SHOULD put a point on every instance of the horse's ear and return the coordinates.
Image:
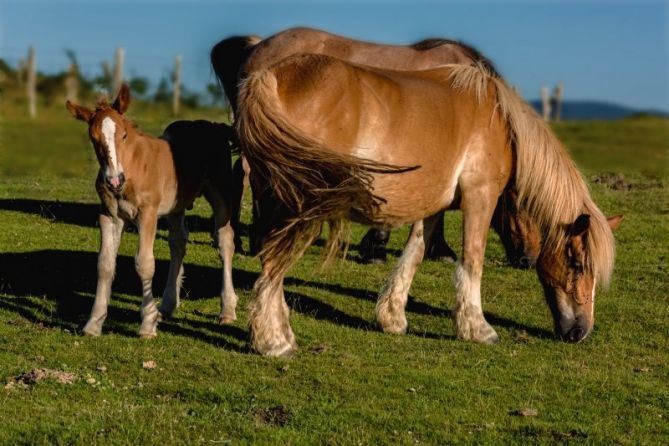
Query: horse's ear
(580, 226)
(122, 101)
(80, 112)
(615, 221)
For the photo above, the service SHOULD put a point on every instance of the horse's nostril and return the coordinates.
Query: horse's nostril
(576, 334)
(525, 262)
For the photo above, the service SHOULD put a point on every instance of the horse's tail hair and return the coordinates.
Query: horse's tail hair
(312, 182)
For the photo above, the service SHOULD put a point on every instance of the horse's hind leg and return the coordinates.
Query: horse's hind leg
(224, 239)
(477, 208)
(269, 325)
(145, 265)
(178, 237)
(110, 238)
(390, 306)
(436, 246)
(240, 184)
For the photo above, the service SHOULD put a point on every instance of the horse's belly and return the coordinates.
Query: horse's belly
(412, 196)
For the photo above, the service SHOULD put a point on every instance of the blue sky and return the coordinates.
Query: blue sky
(615, 51)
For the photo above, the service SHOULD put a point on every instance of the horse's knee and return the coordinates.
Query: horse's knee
(145, 266)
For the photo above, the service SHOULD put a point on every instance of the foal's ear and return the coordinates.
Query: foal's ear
(580, 226)
(80, 112)
(122, 101)
(615, 221)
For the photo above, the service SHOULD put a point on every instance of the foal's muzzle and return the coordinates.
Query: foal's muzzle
(115, 184)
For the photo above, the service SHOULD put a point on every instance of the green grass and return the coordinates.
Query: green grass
(349, 384)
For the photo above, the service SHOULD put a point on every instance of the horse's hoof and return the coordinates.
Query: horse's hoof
(394, 327)
(91, 333)
(224, 320)
(373, 260)
(165, 314)
(279, 351)
(147, 335)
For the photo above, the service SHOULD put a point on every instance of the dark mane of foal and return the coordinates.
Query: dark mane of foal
(473, 53)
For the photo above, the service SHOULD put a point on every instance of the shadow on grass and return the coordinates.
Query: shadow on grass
(54, 288)
(86, 214)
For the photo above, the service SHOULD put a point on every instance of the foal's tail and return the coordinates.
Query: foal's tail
(314, 183)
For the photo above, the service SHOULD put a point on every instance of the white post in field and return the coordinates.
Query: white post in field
(176, 91)
(31, 83)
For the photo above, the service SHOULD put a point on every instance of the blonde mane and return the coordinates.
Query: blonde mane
(550, 187)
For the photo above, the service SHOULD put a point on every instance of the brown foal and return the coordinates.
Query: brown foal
(142, 178)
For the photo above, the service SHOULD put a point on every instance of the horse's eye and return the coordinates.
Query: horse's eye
(125, 135)
(577, 266)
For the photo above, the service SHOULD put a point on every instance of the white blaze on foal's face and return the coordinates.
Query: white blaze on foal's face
(114, 169)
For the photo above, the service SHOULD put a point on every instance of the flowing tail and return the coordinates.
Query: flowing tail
(314, 183)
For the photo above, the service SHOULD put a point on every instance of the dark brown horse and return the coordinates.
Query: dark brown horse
(332, 141)
(520, 237)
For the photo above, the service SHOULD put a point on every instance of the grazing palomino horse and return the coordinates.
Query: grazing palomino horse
(250, 53)
(142, 178)
(337, 141)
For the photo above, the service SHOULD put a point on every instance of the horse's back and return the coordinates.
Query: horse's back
(395, 57)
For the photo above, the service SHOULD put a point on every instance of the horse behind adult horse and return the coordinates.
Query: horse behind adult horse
(142, 178)
(328, 136)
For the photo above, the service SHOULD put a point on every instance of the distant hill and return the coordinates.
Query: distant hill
(598, 110)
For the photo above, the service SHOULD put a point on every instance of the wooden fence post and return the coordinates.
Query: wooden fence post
(118, 72)
(558, 100)
(176, 91)
(545, 103)
(31, 83)
(72, 83)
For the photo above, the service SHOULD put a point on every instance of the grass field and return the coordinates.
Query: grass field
(349, 384)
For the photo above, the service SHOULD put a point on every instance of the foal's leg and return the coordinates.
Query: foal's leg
(391, 304)
(224, 238)
(145, 265)
(477, 208)
(178, 237)
(110, 237)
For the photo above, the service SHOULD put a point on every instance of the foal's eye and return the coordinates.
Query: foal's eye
(125, 135)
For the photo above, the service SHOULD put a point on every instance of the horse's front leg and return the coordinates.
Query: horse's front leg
(178, 237)
(111, 229)
(391, 304)
(477, 206)
(145, 265)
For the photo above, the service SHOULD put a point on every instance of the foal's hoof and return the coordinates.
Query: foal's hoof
(91, 333)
